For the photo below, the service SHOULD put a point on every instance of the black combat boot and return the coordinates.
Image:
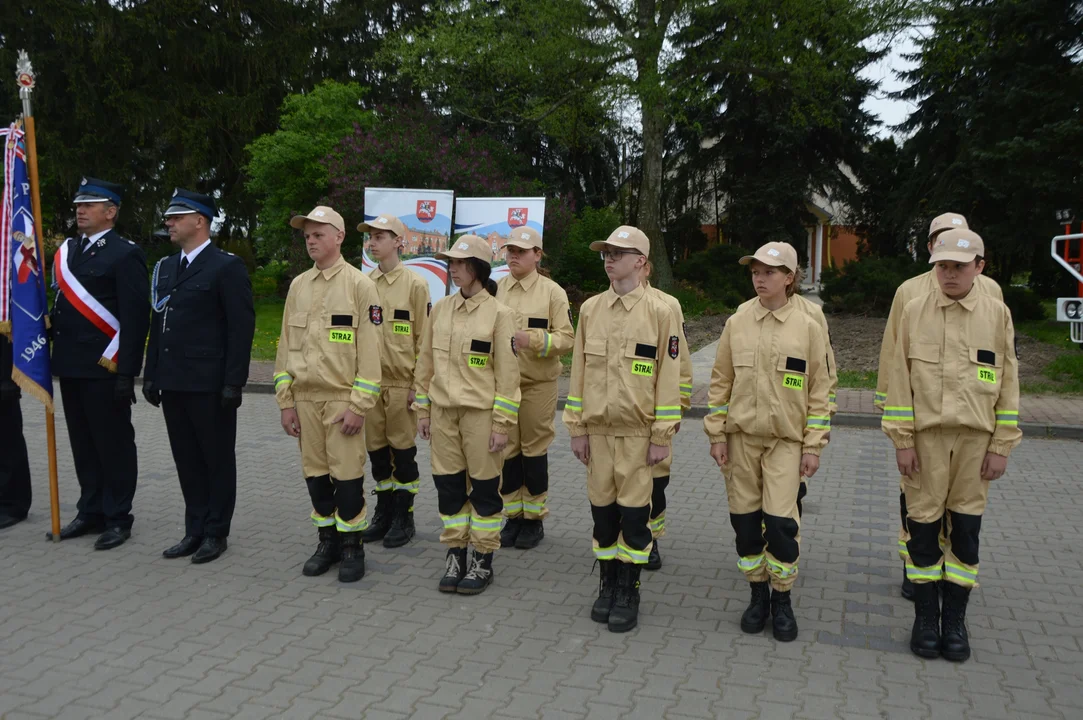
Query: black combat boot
(654, 560)
(530, 535)
(754, 619)
(454, 570)
(606, 586)
(326, 555)
(381, 517)
(510, 532)
(925, 637)
(402, 525)
(479, 576)
(954, 642)
(624, 615)
(783, 623)
(907, 586)
(352, 568)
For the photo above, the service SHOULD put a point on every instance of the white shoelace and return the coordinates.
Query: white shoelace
(476, 570)
(452, 564)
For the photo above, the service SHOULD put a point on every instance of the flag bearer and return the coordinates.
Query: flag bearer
(327, 379)
(543, 333)
(767, 422)
(391, 425)
(914, 288)
(467, 400)
(952, 412)
(622, 410)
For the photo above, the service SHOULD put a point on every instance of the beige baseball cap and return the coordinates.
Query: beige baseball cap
(320, 214)
(384, 222)
(524, 237)
(625, 237)
(957, 246)
(947, 221)
(776, 254)
(468, 246)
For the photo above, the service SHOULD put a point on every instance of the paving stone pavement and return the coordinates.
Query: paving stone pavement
(125, 633)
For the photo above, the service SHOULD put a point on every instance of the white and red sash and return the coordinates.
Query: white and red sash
(88, 306)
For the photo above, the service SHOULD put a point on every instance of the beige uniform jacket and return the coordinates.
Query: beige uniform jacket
(625, 374)
(815, 312)
(329, 348)
(770, 378)
(541, 308)
(913, 288)
(685, 356)
(468, 359)
(954, 366)
(404, 303)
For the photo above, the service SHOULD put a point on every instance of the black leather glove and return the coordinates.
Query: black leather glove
(152, 394)
(231, 397)
(124, 393)
(9, 392)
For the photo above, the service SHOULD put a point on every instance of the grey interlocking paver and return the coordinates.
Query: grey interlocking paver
(126, 633)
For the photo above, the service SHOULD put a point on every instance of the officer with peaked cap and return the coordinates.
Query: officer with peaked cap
(99, 323)
(197, 363)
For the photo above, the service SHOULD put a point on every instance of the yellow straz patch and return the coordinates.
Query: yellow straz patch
(794, 382)
(643, 367)
(400, 328)
(341, 336)
(478, 361)
(987, 375)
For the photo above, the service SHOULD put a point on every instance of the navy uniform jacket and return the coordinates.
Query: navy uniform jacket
(115, 273)
(202, 340)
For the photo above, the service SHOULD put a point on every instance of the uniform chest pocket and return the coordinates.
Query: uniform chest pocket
(196, 287)
(477, 353)
(402, 324)
(926, 374)
(594, 357)
(641, 359)
(341, 329)
(297, 323)
(792, 372)
(985, 368)
(744, 369)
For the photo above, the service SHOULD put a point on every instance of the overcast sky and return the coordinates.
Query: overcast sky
(890, 112)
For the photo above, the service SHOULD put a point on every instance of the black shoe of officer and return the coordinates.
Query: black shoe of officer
(654, 560)
(954, 642)
(7, 521)
(783, 623)
(79, 527)
(352, 568)
(925, 636)
(402, 525)
(210, 549)
(510, 532)
(454, 570)
(326, 555)
(381, 517)
(111, 538)
(479, 576)
(188, 545)
(607, 585)
(624, 615)
(754, 619)
(530, 535)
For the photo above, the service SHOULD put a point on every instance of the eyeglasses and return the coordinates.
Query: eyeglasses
(616, 254)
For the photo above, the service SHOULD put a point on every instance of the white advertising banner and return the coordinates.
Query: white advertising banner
(494, 219)
(427, 216)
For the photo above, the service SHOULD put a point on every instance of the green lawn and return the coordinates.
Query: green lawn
(858, 379)
(268, 327)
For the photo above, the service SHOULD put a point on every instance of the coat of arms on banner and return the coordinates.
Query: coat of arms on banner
(517, 216)
(426, 210)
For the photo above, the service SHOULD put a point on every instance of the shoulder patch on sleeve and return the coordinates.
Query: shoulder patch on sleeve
(376, 315)
(674, 346)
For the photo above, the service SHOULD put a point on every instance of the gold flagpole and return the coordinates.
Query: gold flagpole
(24, 74)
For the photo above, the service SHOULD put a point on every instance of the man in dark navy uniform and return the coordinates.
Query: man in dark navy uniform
(197, 363)
(99, 324)
(14, 463)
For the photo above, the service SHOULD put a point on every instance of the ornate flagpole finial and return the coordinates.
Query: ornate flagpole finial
(24, 77)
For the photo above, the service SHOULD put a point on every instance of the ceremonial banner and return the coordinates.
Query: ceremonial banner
(22, 297)
(495, 218)
(427, 216)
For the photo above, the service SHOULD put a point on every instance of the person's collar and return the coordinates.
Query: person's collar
(968, 302)
(333, 270)
(629, 300)
(781, 314)
(91, 239)
(192, 254)
(473, 301)
(391, 275)
(528, 282)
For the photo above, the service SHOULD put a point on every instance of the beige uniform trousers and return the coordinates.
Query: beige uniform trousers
(325, 450)
(532, 437)
(762, 479)
(619, 488)
(460, 444)
(391, 421)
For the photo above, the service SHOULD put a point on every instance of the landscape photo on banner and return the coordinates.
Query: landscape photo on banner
(427, 217)
(494, 219)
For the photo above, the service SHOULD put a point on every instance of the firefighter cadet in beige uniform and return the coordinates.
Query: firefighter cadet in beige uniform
(467, 385)
(622, 410)
(391, 425)
(327, 378)
(767, 422)
(952, 412)
(660, 472)
(914, 288)
(543, 333)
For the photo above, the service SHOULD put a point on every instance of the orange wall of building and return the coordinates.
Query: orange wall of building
(843, 245)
